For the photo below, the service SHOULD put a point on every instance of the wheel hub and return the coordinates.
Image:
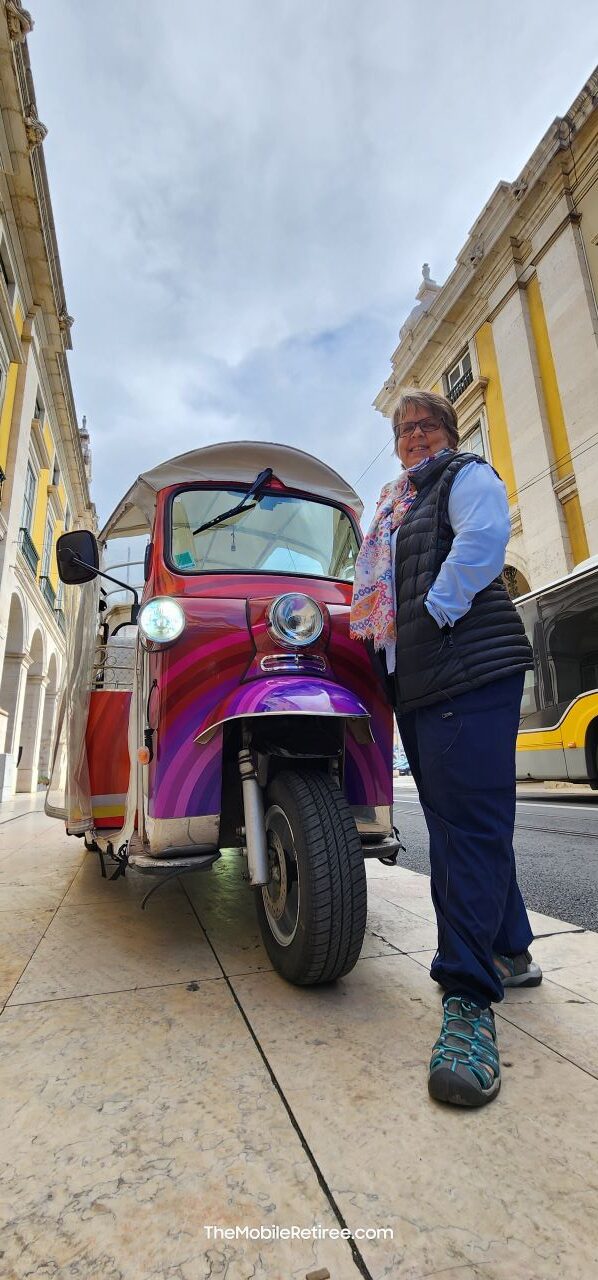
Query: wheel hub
(281, 896)
(275, 892)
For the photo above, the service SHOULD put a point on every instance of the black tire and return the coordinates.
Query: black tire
(319, 935)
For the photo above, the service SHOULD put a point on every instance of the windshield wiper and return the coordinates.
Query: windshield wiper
(259, 483)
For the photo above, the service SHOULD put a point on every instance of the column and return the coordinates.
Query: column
(47, 737)
(572, 329)
(31, 732)
(544, 531)
(14, 682)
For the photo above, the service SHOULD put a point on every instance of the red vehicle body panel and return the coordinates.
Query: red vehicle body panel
(106, 741)
(216, 664)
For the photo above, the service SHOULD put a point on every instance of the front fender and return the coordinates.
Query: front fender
(286, 696)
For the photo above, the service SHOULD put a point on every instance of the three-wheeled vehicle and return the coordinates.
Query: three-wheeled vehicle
(229, 708)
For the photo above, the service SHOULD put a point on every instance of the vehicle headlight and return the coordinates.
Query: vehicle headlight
(296, 619)
(161, 620)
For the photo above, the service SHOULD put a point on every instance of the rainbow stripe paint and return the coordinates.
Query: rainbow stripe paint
(203, 679)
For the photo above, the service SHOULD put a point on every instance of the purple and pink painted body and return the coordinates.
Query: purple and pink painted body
(227, 665)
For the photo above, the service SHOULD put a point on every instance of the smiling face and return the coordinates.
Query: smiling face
(417, 443)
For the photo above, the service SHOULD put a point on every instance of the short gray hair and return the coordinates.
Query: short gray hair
(437, 406)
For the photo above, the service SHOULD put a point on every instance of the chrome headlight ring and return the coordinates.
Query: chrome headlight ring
(161, 621)
(296, 619)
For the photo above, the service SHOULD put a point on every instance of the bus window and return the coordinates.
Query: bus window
(570, 625)
(536, 689)
(562, 624)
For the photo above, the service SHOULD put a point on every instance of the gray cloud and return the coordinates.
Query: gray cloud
(245, 191)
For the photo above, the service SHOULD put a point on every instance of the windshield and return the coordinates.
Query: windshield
(279, 534)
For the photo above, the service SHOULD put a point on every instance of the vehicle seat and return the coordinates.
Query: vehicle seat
(183, 543)
(119, 663)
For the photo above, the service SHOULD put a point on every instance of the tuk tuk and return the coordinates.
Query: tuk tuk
(228, 707)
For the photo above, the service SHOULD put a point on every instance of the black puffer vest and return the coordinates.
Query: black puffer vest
(489, 642)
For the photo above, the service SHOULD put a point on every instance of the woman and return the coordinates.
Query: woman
(429, 595)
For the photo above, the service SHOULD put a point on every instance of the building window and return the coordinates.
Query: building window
(458, 377)
(6, 271)
(56, 473)
(39, 409)
(58, 607)
(474, 441)
(44, 580)
(26, 544)
(47, 551)
(67, 520)
(47, 589)
(28, 499)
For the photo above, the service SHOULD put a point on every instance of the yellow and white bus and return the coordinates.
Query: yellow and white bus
(558, 733)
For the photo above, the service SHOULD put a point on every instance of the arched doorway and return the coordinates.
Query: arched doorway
(515, 581)
(12, 693)
(48, 721)
(33, 710)
(11, 671)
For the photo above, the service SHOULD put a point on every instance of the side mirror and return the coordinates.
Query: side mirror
(77, 557)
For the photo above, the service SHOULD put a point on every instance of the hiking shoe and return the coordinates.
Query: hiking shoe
(465, 1066)
(518, 971)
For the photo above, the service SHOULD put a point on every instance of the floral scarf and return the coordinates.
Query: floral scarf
(373, 613)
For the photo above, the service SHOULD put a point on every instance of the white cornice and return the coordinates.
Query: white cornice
(507, 211)
(54, 501)
(473, 398)
(5, 157)
(19, 21)
(8, 330)
(39, 444)
(29, 211)
(565, 488)
(516, 521)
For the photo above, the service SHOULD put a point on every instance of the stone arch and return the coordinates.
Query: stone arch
(13, 672)
(48, 719)
(516, 573)
(515, 558)
(33, 710)
(16, 638)
(37, 653)
(53, 670)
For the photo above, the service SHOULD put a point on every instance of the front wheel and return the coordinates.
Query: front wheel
(312, 913)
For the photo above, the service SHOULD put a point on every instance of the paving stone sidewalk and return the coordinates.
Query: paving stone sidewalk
(158, 1079)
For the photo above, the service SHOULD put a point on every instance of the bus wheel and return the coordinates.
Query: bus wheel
(312, 913)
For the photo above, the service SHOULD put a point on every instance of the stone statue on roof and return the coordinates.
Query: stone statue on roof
(425, 296)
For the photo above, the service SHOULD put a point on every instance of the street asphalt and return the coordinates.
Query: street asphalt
(556, 846)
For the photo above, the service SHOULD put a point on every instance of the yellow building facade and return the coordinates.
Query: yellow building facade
(44, 481)
(512, 339)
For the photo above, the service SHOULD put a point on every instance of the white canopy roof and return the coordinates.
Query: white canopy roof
(239, 461)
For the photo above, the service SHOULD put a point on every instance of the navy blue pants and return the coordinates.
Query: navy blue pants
(462, 756)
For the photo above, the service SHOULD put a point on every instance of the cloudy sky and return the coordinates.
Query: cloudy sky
(245, 190)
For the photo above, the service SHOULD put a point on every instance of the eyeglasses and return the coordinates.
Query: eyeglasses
(427, 425)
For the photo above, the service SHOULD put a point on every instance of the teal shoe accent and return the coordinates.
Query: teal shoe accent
(465, 1065)
(518, 971)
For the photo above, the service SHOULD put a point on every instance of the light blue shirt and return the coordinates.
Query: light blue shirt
(478, 511)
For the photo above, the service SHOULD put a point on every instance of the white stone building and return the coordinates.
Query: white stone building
(43, 479)
(512, 339)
